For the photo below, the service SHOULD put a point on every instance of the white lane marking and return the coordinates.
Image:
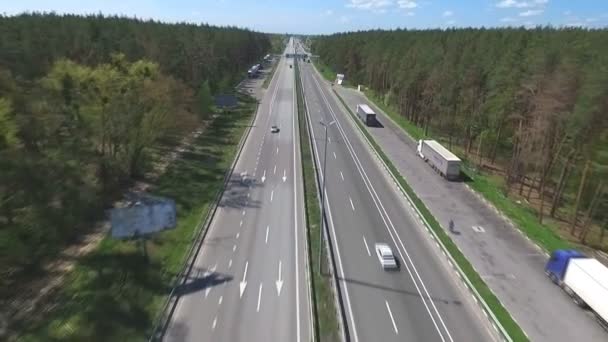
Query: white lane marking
(275, 170)
(241, 223)
(219, 302)
(271, 195)
(267, 229)
(351, 203)
(388, 307)
(248, 194)
(384, 216)
(214, 323)
(279, 281)
(277, 150)
(243, 283)
(284, 175)
(230, 263)
(295, 216)
(234, 248)
(335, 155)
(333, 232)
(366, 247)
(207, 290)
(263, 179)
(243, 212)
(329, 139)
(342, 175)
(259, 297)
(237, 235)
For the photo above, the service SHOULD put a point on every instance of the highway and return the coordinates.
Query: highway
(424, 301)
(250, 279)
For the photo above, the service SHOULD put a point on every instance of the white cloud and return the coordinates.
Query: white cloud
(509, 20)
(447, 14)
(407, 4)
(450, 22)
(327, 13)
(410, 14)
(530, 13)
(567, 12)
(369, 4)
(575, 24)
(344, 19)
(521, 4)
(379, 11)
(591, 20)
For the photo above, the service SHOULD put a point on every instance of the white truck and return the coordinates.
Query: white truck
(584, 279)
(440, 158)
(367, 115)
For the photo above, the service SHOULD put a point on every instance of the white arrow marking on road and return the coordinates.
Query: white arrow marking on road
(259, 297)
(264, 176)
(284, 175)
(271, 195)
(279, 282)
(267, 229)
(275, 170)
(243, 283)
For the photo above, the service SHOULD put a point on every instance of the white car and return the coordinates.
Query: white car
(386, 256)
(274, 129)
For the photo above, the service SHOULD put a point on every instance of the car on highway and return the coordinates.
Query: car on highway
(274, 129)
(385, 256)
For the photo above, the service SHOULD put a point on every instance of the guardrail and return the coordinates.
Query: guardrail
(167, 310)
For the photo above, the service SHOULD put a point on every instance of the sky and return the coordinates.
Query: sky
(328, 16)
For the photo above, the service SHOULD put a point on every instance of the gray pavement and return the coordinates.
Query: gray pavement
(511, 266)
(250, 280)
(424, 301)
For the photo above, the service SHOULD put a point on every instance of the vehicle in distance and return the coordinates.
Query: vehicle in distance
(366, 114)
(386, 256)
(274, 129)
(584, 279)
(440, 158)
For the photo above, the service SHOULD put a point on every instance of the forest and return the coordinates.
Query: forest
(527, 106)
(82, 100)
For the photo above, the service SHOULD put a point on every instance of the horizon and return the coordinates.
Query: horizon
(340, 16)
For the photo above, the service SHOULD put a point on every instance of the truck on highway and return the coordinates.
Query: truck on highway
(440, 158)
(367, 115)
(584, 279)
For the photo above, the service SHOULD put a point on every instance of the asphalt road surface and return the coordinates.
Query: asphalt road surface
(250, 280)
(424, 301)
(512, 267)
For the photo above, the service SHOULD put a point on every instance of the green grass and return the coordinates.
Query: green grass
(325, 71)
(493, 303)
(324, 303)
(414, 131)
(269, 76)
(114, 293)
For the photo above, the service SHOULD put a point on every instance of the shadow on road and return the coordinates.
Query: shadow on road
(405, 292)
(199, 283)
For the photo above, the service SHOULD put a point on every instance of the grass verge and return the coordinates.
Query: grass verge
(325, 71)
(114, 293)
(324, 304)
(269, 76)
(502, 315)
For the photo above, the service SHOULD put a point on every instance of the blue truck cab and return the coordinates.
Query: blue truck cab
(558, 263)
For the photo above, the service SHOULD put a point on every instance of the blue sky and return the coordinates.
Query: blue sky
(327, 16)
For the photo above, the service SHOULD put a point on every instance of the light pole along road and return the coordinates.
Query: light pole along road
(249, 281)
(424, 301)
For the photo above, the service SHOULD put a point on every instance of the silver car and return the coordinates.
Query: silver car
(386, 256)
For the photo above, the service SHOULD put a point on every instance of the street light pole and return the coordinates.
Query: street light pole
(323, 195)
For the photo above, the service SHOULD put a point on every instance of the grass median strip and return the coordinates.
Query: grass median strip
(502, 315)
(324, 304)
(269, 76)
(114, 293)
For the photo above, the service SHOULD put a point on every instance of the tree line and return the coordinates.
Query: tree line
(82, 102)
(529, 104)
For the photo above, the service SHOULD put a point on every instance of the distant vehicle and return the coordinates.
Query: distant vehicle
(289, 66)
(274, 129)
(440, 158)
(584, 279)
(253, 71)
(386, 256)
(366, 114)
